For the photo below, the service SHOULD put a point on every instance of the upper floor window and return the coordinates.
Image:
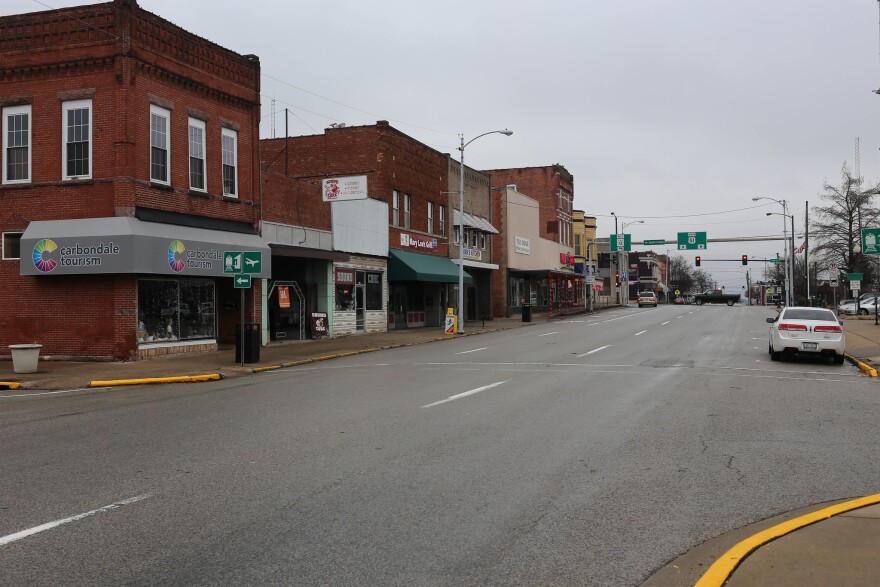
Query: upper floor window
(430, 217)
(456, 234)
(395, 208)
(230, 158)
(197, 178)
(474, 238)
(17, 144)
(160, 145)
(483, 240)
(77, 139)
(11, 245)
(577, 246)
(406, 209)
(442, 220)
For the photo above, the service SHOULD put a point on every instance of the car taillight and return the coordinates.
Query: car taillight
(827, 329)
(790, 326)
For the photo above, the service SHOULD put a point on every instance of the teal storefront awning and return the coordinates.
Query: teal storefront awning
(405, 266)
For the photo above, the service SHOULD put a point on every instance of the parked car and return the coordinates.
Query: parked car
(679, 301)
(647, 298)
(865, 304)
(799, 330)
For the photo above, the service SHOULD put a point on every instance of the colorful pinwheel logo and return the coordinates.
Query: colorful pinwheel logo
(42, 250)
(175, 256)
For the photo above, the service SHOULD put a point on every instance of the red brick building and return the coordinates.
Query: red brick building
(552, 187)
(411, 179)
(130, 166)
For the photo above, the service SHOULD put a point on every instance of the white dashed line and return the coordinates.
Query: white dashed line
(465, 394)
(48, 526)
(638, 333)
(472, 350)
(594, 351)
(665, 323)
(549, 333)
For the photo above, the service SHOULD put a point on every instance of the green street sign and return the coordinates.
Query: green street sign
(854, 276)
(871, 241)
(774, 260)
(620, 242)
(654, 242)
(691, 241)
(232, 262)
(252, 261)
(242, 281)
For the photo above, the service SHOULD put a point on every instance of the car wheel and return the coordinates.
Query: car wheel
(774, 356)
(729, 302)
(863, 312)
(699, 302)
(838, 359)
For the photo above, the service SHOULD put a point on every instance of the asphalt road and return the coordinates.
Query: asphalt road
(589, 451)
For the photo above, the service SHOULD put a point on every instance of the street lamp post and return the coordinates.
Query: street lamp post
(789, 275)
(461, 223)
(623, 230)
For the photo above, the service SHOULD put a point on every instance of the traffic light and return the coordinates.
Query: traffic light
(697, 261)
(617, 280)
(745, 259)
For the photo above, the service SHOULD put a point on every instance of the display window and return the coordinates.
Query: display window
(172, 310)
(374, 291)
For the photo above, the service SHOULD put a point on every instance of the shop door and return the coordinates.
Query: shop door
(359, 307)
(471, 305)
(398, 305)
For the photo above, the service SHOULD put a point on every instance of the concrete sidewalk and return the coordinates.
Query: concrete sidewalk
(78, 374)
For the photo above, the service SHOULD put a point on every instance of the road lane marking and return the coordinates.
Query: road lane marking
(465, 394)
(594, 351)
(4, 540)
(549, 333)
(677, 317)
(665, 323)
(472, 350)
(638, 333)
(55, 392)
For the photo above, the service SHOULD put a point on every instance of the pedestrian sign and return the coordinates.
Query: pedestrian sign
(242, 281)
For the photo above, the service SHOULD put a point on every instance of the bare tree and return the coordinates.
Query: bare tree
(680, 274)
(703, 280)
(837, 225)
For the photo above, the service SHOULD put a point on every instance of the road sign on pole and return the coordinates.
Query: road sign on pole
(232, 262)
(252, 262)
(242, 281)
(620, 242)
(691, 241)
(871, 241)
(654, 242)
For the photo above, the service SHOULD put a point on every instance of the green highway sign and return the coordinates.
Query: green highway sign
(855, 276)
(232, 262)
(620, 242)
(774, 260)
(691, 241)
(242, 281)
(252, 261)
(871, 241)
(654, 242)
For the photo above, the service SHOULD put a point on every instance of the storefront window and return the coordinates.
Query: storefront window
(543, 293)
(171, 310)
(374, 291)
(344, 296)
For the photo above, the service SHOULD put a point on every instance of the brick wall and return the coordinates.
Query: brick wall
(543, 184)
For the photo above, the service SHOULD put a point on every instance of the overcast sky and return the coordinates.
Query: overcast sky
(661, 110)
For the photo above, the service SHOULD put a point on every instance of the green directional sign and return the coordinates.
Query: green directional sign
(242, 281)
(774, 260)
(855, 276)
(654, 242)
(232, 262)
(691, 241)
(620, 242)
(252, 261)
(871, 241)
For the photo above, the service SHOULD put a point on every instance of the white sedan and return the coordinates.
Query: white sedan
(807, 331)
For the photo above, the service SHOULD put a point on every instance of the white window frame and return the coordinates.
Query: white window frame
(200, 125)
(166, 114)
(430, 217)
(3, 245)
(443, 220)
(4, 126)
(406, 210)
(395, 208)
(473, 239)
(456, 234)
(483, 241)
(228, 132)
(65, 108)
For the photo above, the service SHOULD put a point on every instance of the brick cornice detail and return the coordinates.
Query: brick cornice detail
(81, 94)
(160, 102)
(15, 100)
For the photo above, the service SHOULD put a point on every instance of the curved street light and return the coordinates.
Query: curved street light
(461, 223)
(789, 252)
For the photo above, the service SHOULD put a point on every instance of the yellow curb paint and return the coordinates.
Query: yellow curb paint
(180, 379)
(266, 368)
(10, 384)
(722, 568)
(863, 367)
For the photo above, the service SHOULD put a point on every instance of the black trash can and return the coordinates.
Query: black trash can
(526, 313)
(251, 343)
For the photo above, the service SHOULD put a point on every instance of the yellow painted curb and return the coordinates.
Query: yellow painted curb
(863, 367)
(10, 384)
(722, 568)
(180, 379)
(266, 368)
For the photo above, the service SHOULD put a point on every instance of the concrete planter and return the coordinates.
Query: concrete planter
(25, 357)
